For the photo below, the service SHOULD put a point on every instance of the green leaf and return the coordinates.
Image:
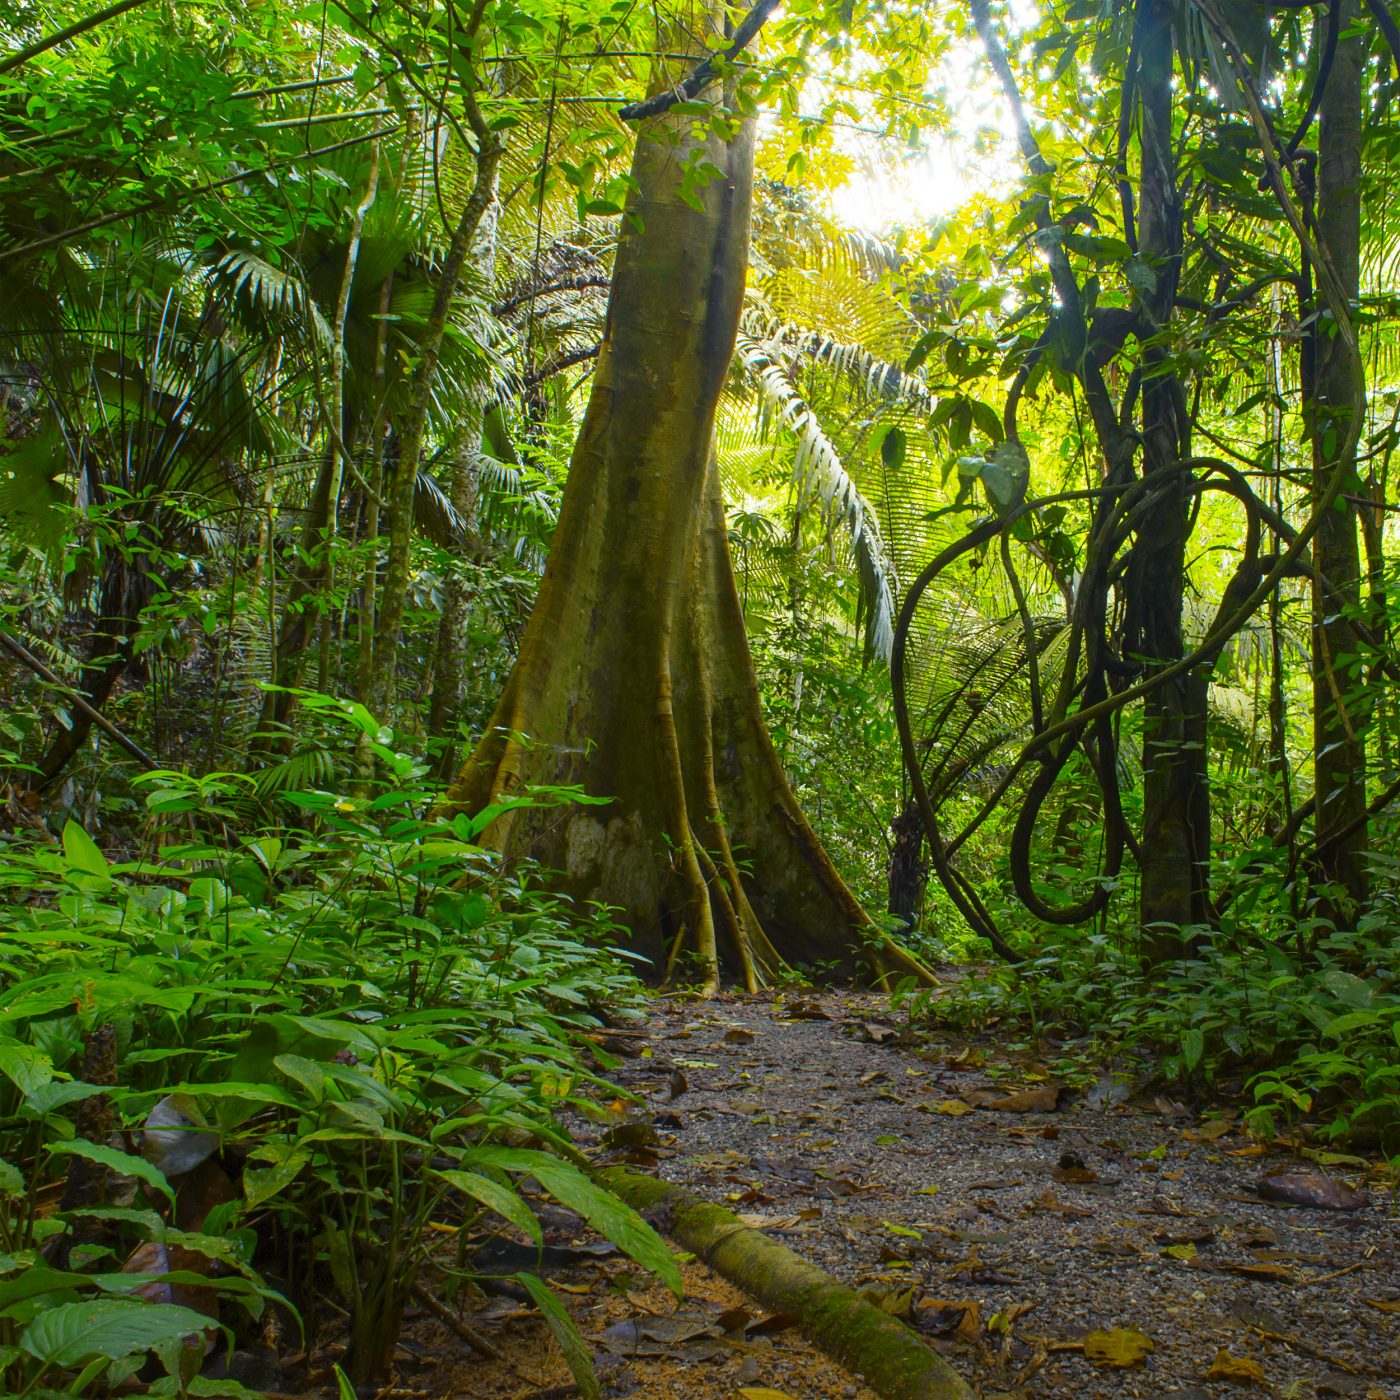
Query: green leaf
(611, 1217)
(36, 1281)
(305, 1072)
(1006, 475)
(1193, 1047)
(27, 1068)
(81, 851)
(121, 1162)
(263, 1183)
(11, 1181)
(505, 1202)
(892, 448)
(1350, 990)
(47, 1097)
(69, 1335)
(566, 1334)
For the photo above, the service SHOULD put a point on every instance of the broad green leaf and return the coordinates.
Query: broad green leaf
(27, 1069)
(612, 1218)
(505, 1202)
(566, 1334)
(48, 1097)
(82, 851)
(305, 1072)
(11, 1180)
(1347, 988)
(263, 1183)
(37, 1280)
(74, 1333)
(121, 1162)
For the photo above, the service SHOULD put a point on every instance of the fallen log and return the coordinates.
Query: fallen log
(888, 1356)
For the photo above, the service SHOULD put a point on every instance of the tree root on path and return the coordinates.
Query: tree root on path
(882, 1351)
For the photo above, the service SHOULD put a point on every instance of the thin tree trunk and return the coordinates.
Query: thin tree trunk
(448, 664)
(369, 584)
(315, 571)
(1339, 702)
(1173, 892)
(109, 654)
(908, 873)
(394, 595)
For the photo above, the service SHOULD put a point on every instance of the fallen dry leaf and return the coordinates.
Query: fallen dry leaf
(762, 1392)
(776, 1222)
(1041, 1100)
(1184, 1234)
(738, 1036)
(805, 1010)
(953, 1108)
(1117, 1349)
(1386, 1305)
(1209, 1132)
(1312, 1190)
(1239, 1369)
(1048, 1200)
(1008, 1315)
(942, 1316)
(774, 1322)
(1075, 1176)
(1275, 1272)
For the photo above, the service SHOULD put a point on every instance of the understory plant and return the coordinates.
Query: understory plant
(248, 1069)
(1308, 1019)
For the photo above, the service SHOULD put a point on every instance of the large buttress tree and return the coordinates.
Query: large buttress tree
(634, 679)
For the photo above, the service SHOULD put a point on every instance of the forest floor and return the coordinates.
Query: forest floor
(1053, 1236)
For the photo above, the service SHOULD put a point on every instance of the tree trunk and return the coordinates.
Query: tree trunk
(1339, 704)
(634, 679)
(414, 430)
(1174, 889)
(314, 575)
(908, 870)
(446, 703)
(124, 593)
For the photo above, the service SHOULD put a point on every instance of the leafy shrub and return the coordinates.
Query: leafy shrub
(1314, 1025)
(320, 1037)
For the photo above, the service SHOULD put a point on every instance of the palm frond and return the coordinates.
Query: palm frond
(819, 472)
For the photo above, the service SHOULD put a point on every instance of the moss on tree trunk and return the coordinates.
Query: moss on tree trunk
(634, 679)
(886, 1354)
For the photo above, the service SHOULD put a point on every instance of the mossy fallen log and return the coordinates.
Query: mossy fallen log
(868, 1342)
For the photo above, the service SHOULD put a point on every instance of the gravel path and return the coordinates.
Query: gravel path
(1010, 1232)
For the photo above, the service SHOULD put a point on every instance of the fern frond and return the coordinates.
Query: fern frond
(818, 471)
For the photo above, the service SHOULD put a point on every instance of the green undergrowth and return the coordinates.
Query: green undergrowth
(1309, 1024)
(295, 1057)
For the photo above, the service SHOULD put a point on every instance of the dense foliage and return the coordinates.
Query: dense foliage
(299, 307)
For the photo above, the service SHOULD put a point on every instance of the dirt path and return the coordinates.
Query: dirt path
(1021, 1232)
(1014, 1222)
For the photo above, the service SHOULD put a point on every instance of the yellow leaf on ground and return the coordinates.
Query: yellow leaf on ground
(1239, 1369)
(953, 1108)
(1208, 1132)
(761, 1392)
(1386, 1305)
(1119, 1348)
